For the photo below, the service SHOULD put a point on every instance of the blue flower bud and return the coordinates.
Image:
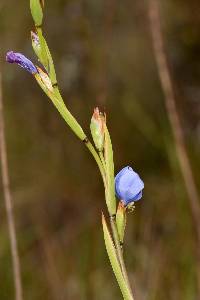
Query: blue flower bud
(22, 61)
(128, 186)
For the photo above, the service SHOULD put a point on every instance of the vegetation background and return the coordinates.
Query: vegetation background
(104, 57)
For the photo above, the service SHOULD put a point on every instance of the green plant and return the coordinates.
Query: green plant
(128, 184)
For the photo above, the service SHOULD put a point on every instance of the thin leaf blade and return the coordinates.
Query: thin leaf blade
(110, 188)
(114, 261)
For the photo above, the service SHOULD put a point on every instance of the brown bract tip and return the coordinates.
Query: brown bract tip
(96, 113)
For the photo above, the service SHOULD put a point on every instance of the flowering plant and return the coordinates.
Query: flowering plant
(127, 185)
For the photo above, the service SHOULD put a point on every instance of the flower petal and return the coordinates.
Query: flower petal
(22, 61)
(128, 185)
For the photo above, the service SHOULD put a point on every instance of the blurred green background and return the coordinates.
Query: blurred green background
(103, 56)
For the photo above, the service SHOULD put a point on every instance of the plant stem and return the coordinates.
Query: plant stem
(9, 204)
(114, 261)
(94, 153)
(102, 159)
(119, 252)
(99, 158)
(175, 122)
(60, 105)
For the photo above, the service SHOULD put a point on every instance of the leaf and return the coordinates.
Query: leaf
(51, 71)
(114, 261)
(43, 53)
(110, 188)
(36, 11)
(43, 57)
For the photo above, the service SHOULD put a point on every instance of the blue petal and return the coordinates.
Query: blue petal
(22, 61)
(128, 185)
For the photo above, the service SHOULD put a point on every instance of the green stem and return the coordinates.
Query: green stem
(99, 158)
(119, 252)
(94, 153)
(114, 261)
(88, 144)
(57, 93)
(102, 159)
(73, 124)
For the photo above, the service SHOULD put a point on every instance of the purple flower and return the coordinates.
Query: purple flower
(128, 186)
(22, 61)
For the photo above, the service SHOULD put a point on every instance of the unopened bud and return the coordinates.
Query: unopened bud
(97, 127)
(121, 221)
